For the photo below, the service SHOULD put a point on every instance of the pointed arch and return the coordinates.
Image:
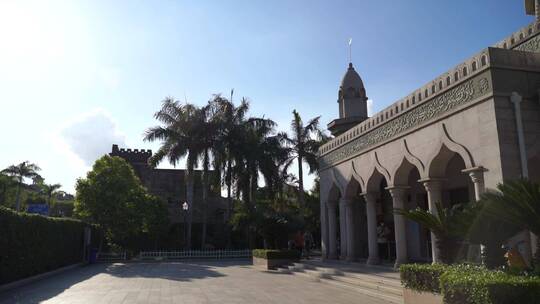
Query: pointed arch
(444, 151)
(412, 158)
(380, 167)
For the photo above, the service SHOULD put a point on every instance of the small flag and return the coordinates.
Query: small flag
(350, 41)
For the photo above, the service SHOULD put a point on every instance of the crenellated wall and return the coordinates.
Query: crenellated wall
(525, 39)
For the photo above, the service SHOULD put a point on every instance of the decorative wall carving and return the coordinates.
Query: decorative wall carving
(433, 108)
(531, 45)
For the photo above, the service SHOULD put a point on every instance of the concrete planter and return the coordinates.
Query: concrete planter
(269, 264)
(420, 297)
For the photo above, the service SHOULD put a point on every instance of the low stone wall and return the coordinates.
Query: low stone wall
(415, 297)
(266, 264)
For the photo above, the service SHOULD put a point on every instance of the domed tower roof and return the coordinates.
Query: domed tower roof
(351, 79)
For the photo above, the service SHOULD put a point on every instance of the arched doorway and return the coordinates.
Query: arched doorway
(357, 241)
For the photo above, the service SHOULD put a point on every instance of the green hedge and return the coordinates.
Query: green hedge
(474, 284)
(471, 284)
(272, 254)
(32, 244)
(421, 277)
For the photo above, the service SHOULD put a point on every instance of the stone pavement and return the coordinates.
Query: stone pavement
(175, 282)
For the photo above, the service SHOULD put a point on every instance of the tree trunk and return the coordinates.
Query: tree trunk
(189, 198)
(18, 197)
(301, 199)
(229, 210)
(204, 199)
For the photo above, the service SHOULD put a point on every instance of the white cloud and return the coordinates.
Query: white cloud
(91, 135)
(370, 107)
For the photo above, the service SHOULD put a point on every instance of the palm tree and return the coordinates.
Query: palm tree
(20, 172)
(517, 203)
(50, 190)
(449, 225)
(304, 143)
(6, 182)
(230, 121)
(180, 136)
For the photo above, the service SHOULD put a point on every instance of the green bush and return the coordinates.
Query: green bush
(272, 254)
(422, 277)
(32, 244)
(471, 284)
(466, 284)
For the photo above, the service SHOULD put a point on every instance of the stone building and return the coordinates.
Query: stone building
(466, 130)
(169, 185)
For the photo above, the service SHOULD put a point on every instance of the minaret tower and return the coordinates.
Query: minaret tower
(352, 101)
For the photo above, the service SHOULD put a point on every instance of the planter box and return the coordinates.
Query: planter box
(420, 297)
(269, 264)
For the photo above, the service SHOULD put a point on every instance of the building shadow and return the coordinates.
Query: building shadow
(50, 287)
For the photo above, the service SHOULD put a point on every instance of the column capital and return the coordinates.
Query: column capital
(432, 184)
(370, 196)
(476, 174)
(346, 201)
(515, 98)
(398, 191)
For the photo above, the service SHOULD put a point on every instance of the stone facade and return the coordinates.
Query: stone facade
(169, 185)
(467, 130)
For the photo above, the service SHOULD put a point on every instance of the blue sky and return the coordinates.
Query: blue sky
(76, 76)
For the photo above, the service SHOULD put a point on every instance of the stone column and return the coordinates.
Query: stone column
(399, 196)
(349, 216)
(434, 193)
(324, 230)
(342, 230)
(477, 177)
(332, 230)
(371, 215)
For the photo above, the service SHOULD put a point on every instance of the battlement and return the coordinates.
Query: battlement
(132, 155)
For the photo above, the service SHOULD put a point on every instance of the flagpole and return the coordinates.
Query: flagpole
(350, 50)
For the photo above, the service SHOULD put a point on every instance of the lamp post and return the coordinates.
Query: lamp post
(185, 207)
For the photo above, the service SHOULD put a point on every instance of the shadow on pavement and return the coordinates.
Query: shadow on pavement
(50, 287)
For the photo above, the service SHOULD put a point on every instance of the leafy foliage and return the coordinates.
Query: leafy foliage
(422, 277)
(112, 196)
(450, 226)
(468, 284)
(19, 173)
(33, 244)
(271, 254)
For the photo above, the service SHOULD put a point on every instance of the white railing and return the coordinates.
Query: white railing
(195, 254)
(111, 256)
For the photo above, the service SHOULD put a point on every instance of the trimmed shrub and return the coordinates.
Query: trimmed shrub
(272, 254)
(422, 277)
(32, 244)
(467, 284)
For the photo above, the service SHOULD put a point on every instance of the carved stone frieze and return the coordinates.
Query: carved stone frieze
(433, 108)
(531, 45)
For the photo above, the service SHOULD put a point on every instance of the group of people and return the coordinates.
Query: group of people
(302, 242)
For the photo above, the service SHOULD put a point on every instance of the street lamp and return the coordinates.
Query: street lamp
(185, 207)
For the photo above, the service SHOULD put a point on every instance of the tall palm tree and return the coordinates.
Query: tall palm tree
(50, 190)
(304, 143)
(180, 136)
(517, 203)
(20, 172)
(230, 120)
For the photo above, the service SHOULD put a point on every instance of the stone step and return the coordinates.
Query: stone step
(381, 287)
(391, 289)
(391, 298)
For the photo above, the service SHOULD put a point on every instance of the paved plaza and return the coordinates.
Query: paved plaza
(187, 282)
